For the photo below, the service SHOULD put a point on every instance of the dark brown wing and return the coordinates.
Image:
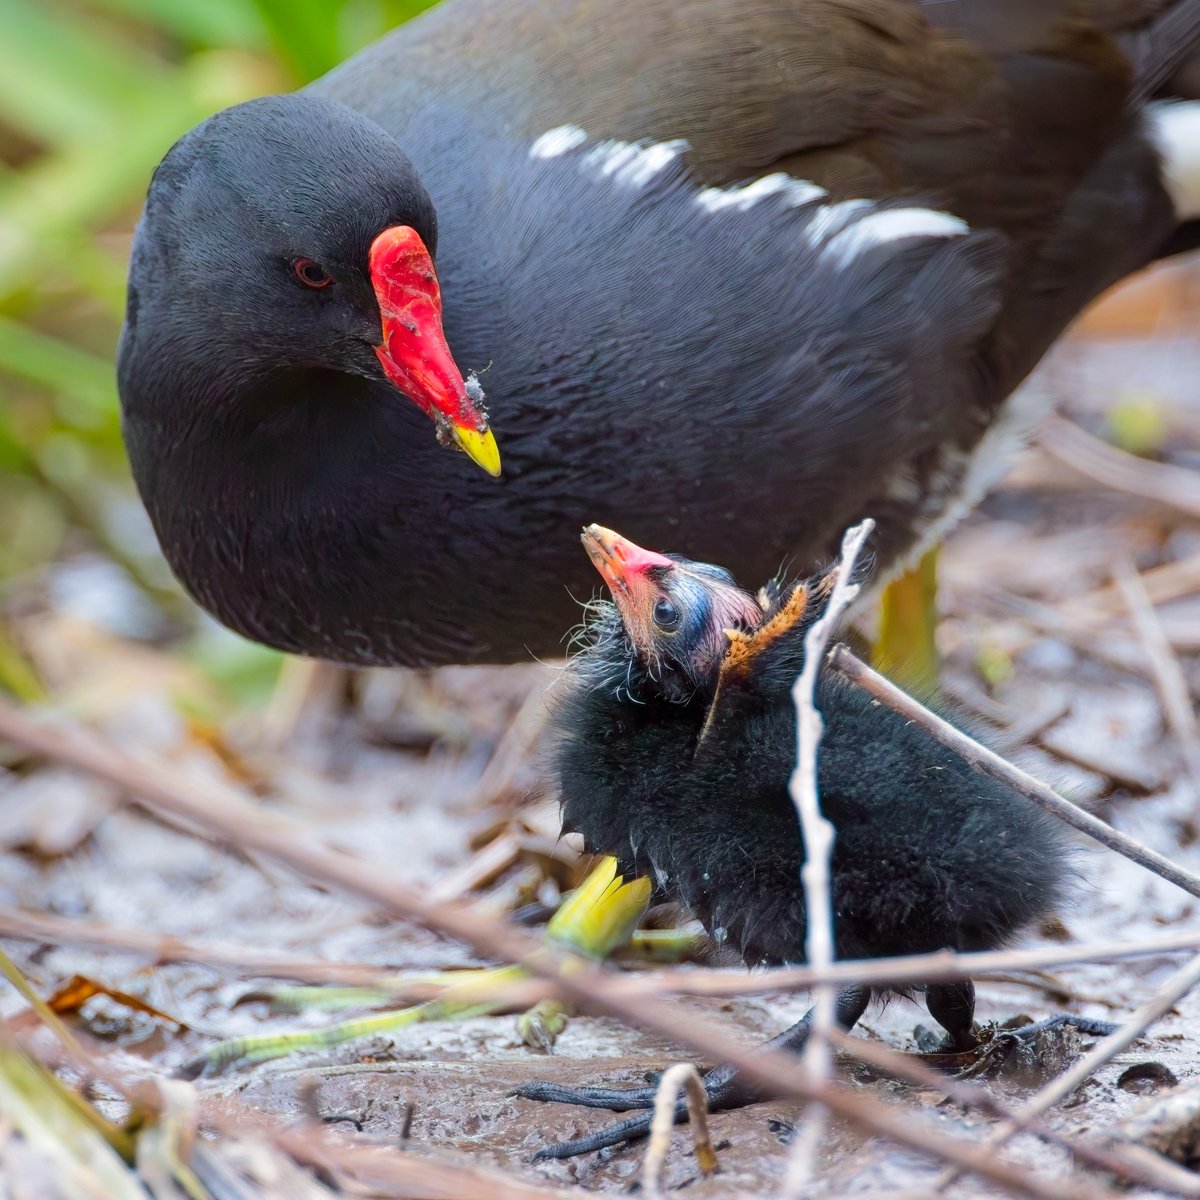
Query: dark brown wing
(866, 97)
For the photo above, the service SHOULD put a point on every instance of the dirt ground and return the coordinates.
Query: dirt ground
(436, 775)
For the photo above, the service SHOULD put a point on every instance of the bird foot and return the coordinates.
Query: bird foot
(723, 1087)
(540, 1025)
(1025, 1053)
(1086, 1025)
(930, 1041)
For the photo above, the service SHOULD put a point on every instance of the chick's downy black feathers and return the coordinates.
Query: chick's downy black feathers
(693, 792)
(676, 761)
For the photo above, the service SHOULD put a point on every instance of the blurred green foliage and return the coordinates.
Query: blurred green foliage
(92, 93)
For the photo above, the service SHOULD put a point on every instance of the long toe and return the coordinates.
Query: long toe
(1088, 1025)
(631, 1129)
(613, 1099)
(726, 1087)
(723, 1085)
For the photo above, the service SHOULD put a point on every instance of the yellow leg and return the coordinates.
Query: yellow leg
(906, 650)
(593, 921)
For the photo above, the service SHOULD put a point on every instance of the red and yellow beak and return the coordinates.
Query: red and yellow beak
(414, 354)
(633, 575)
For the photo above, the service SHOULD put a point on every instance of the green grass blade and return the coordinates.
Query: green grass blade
(62, 79)
(207, 23)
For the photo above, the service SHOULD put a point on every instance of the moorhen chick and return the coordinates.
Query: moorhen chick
(675, 740)
(712, 260)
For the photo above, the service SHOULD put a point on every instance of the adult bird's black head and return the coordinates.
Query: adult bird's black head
(742, 324)
(285, 261)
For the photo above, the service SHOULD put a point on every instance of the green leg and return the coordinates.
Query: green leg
(466, 997)
(906, 650)
(664, 945)
(593, 921)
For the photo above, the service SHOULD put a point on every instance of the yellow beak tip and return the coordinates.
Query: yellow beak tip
(479, 447)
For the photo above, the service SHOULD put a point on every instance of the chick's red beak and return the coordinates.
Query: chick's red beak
(414, 354)
(633, 576)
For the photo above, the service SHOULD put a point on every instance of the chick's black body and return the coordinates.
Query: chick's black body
(929, 854)
(676, 759)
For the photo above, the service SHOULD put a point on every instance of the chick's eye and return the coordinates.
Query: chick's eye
(310, 273)
(666, 615)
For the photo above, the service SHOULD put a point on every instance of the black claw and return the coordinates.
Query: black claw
(613, 1099)
(1088, 1025)
(1094, 1027)
(723, 1085)
(623, 1131)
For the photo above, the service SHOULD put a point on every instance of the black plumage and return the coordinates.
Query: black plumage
(674, 745)
(652, 325)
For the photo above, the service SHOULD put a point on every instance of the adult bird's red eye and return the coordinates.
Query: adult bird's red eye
(310, 273)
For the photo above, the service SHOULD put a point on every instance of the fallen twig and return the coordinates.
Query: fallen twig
(970, 1095)
(942, 966)
(818, 835)
(1058, 1089)
(991, 764)
(479, 870)
(1172, 686)
(1173, 486)
(226, 815)
(161, 948)
(679, 1077)
(1170, 581)
(513, 748)
(301, 681)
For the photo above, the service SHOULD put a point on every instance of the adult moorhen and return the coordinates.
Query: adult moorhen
(675, 740)
(783, 260)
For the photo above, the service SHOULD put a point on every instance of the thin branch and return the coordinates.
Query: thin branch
(989, 763)
(1176, 487)
(1168, 675)
(1060, 1088)
(163, 948)
(513, 748)
(968, 1095)
(485, 865)
(299, 683)
(226, 815)
(940, 967)
(679, 1077)
(943, 966)
(1164, 583)
(815, 874)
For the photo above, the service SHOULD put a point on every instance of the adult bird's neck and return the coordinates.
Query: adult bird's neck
(276, 507)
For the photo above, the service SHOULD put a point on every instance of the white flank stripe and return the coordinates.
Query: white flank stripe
(742, 196)
(1175, 130)
(831, 219)
(630, 164)
(557, 141)
(892, 225)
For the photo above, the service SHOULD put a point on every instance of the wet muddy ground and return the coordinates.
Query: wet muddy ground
(436, 774)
